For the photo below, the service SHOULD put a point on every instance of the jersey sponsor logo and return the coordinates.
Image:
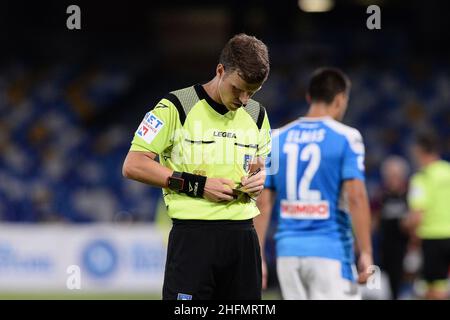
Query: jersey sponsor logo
(149, 127)
(153, 121)
(224, 134)
(301, 209)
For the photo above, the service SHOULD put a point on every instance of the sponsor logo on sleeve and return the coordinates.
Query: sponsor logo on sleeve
(149, 127)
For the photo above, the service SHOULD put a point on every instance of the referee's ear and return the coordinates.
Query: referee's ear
(220, 70)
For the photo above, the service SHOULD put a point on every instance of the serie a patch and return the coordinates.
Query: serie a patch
(247, 162)
(183, 296)
(149, 127)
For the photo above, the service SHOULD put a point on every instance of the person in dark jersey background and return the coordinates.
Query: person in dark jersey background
(390, 208)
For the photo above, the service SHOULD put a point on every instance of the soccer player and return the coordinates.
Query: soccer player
(210, 138)
(318, 192)
(429, 219)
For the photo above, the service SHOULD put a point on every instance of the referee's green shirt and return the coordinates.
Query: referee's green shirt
(430, 193)
(190, 132)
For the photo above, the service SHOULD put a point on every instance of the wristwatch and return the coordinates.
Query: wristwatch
(175, 181)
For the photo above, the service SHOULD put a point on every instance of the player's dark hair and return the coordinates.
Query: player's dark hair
(326, 83)
(248, 56)
(428, 141)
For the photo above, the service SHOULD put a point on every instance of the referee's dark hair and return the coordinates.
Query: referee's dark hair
(248, 56)
(326, 83)
(428, 141)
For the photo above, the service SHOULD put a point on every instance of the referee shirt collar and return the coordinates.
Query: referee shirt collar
(201, 92)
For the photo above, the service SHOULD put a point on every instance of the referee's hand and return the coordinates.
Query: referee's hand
(218, 189)
(254, 184)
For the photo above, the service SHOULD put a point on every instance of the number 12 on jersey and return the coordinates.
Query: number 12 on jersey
(302, 202)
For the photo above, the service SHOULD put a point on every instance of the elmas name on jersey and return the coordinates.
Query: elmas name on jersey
(306, 136)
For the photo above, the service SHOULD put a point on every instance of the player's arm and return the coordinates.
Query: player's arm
(360, 213)
(265, 204)
(355, 190)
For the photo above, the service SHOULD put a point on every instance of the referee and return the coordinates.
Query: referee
(211, 140)
(429, 219)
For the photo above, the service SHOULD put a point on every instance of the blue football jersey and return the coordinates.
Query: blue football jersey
(310, 159)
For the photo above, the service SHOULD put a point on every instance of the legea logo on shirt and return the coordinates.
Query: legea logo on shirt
(149, 127)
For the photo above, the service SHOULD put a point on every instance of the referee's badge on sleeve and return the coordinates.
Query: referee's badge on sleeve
(149, 127)
(247, 162)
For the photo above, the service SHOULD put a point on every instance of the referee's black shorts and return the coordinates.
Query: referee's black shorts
(436, 259)
(212, 260)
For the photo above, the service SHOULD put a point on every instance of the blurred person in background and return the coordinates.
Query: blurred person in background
(429, 219)
(213, 250)
(319, 193)
(391, 209)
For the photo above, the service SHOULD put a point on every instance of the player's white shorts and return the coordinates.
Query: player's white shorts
(315, 278)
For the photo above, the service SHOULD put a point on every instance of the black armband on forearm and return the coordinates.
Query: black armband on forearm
(191, 184)
(194, 184)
